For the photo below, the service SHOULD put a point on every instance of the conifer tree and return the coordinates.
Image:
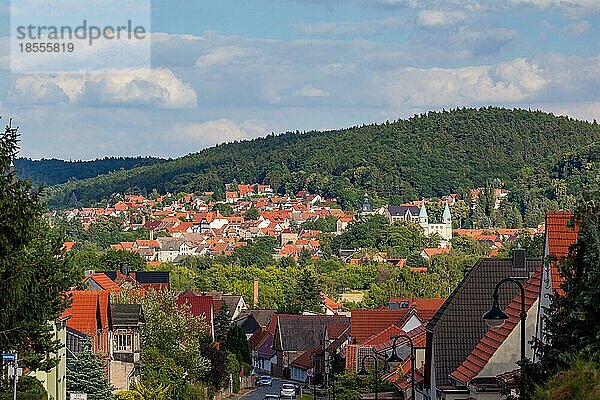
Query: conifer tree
(86, 374)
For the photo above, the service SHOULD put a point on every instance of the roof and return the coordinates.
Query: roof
(305, 360)
(257, 338)
(152, 277)
(366, 323)
(301, 332)
(426, 308)
(400, 211)
(560, 236)
(127, 315)
(199, 306)
(89, 311)
(494, 337)
(104, 282)
(457, 327)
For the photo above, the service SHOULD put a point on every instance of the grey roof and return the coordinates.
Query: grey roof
(457, 326)
(400, 211)
(169, 244)
(303, 332)
(127, 315)
(231, 300)
(251, 320)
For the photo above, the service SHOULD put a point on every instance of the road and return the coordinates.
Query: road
(259, 392)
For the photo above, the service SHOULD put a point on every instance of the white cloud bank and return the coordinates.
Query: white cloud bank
(156, 88)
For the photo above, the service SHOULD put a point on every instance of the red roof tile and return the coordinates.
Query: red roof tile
(89, 311)
(104, 282)
(560, 236)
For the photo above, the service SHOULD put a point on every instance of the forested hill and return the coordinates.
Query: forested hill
(53, 171)
(427, 155)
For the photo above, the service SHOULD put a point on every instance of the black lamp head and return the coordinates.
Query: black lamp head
(363, 372)
(495, 317)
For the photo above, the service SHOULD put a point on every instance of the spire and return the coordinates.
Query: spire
(446, 216)
(366, 204)
(423, 217)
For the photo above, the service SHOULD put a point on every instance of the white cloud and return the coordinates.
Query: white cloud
(217, 131)
(310, 91)
(222, 56)
(153, 88)
(439, 18)
(508, 82)
(371, 27)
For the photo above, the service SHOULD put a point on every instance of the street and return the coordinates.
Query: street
(260, 392)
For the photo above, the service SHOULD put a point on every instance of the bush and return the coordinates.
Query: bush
(128, 395)
(28, 388)
(581, 381)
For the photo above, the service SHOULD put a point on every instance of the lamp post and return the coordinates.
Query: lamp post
(329, 369)
(395, 359)
(363, 371)
(312, 357)
(495, 318)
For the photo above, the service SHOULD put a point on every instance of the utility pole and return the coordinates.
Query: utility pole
(16, 378)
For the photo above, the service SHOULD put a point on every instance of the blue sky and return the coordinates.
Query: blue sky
(236, 69)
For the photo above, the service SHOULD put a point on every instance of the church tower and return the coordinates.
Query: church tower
(446, 216)
(423, 217)
(365, 207)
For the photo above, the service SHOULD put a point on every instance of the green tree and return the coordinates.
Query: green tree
(86, 375)
(237, 344)
(222, 322)
(225, 209)
(33, 274)
(252, 214)
(174, 332)
(28, 388)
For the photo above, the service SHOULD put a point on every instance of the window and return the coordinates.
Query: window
(123, 342)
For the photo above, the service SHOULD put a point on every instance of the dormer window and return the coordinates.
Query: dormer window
(123, 342)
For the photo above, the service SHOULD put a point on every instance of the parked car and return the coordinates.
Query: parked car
(264, 380)
(287, 391)
(271, 397)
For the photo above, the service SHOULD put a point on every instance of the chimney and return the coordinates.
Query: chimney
(519, 258)
(255, 302)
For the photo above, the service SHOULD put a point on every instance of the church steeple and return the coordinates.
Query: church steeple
(366, 204)
(423, 217)
(446, 216)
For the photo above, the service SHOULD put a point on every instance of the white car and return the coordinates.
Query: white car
(287, 391)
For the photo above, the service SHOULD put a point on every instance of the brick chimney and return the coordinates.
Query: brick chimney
(255, 300)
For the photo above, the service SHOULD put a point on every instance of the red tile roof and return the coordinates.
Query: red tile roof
(104, 282)
(305, 360)
(384, 336)
(426, 308)
(560, 236)
(89, 311)
(494, 337)
(366, 323)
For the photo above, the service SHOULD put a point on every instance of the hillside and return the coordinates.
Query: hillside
(427, 155)
(53, 171)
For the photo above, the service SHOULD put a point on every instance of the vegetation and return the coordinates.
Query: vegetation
(580, 381)
(33, 274)
(86, 375)
(28, 388)
(53, 171)
(574, 315)
(427, 155)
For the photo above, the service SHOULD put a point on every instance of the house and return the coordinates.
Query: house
(294, 334)
(342, 223)
(124, 369)
(200, 306)
(235, 303)
(89, 317)
(252, 320)
(55, 380)
(262, 352)
(457, 328)
(429, 252)
(331, 307)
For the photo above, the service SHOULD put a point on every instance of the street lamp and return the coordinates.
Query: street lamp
(312, 357)
(395, 359)
(495, 318)
(363, 372)
(329, 369)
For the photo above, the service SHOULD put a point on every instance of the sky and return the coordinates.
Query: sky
(228, 70)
